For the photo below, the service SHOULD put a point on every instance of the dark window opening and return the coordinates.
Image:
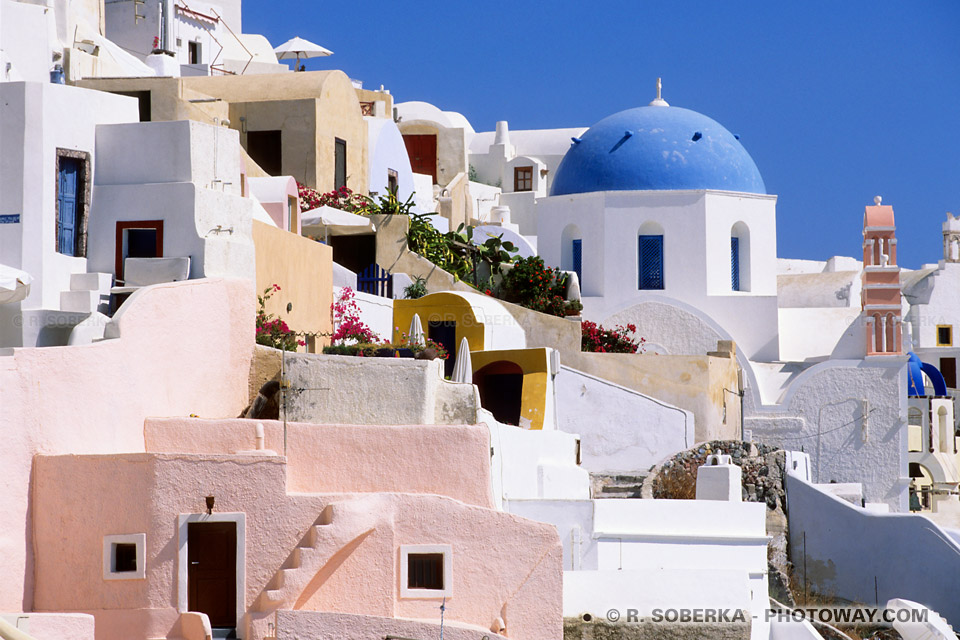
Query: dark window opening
(340, 163)
(945, 336)
(124, 557)
(392, 182)
(523, 179)
(948, 367)
(444, 333)
(425, 571)
(354, 252)
(266, 150)
(193, 52)
(578, 261)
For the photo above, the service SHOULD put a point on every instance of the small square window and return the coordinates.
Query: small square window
(945, 335)
(523, 179)
(124, 556)
(426, 571)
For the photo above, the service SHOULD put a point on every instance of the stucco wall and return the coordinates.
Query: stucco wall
(621, 430)
(356, 458)
(706, 386)
(521, 571)
(94, 398)
(351, 390)
(386, 151)
(303, 269)
(857, 555)
(850, 416)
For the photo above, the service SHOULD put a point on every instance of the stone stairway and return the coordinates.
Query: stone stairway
(340, 526)
(615, 486)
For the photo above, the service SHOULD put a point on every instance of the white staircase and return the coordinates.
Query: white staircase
(89, 293)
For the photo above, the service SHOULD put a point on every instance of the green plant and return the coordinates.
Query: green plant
(272, 331)
(416, 289)
(572, 307)
(531, 284)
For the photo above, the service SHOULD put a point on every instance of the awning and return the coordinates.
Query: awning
(14, 284)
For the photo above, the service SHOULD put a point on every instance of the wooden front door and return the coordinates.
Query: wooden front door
(444, 333)
(68, 183)
(212, 571)
(422, 149)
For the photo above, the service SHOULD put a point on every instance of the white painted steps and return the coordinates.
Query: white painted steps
(89, 292)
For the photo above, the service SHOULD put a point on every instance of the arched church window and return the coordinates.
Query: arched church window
(740, 257)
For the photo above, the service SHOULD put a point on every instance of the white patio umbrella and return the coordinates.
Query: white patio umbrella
(416, 330)
(300, 48)
(463, 369)
(342, 223)
(14, 284)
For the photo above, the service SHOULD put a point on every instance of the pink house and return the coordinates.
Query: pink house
(145, 523)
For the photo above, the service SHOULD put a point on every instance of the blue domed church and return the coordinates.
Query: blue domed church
(665, 218)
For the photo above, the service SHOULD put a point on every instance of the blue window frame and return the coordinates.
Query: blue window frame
(650, 262)
(735, 263)
(68, 183)
(578, 260)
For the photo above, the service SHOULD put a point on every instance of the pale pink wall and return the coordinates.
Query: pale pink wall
(293, 625)
(499, 560)
(445, 460)
(184, 348)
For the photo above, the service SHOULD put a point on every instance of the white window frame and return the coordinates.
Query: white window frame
(446, 550)
(109, 541)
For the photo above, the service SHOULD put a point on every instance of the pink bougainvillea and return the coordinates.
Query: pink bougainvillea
(346, 321)
(271, 331)
(617, 340)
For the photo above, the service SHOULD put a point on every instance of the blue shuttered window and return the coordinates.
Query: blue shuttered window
(68, 182)
(578, 260)
(735, 264)
(650, 249)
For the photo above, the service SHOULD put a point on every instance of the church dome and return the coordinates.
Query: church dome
(657, 147)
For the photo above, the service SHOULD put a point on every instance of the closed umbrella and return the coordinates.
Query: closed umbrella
(300, 48)
(416, 330)
(463, 369)
(14, 284)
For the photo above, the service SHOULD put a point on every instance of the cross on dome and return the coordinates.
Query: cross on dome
(658, 101)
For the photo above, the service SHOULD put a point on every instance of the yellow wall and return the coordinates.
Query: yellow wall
(535, 366)
(304, 270)
(440, 307)
(311, 109)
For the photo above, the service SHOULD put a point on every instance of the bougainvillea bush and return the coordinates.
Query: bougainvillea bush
(617, 340)
(342, 198)
(272, 331)
(348, 329)
(532, 284)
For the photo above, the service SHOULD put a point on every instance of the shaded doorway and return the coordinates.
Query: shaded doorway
(266, 150)
(212, 573)
(444, 333)
(501, 390)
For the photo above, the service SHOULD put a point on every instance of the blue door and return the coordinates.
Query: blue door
(650, 262)
(578, 260)
(68, 182)
(735, 264)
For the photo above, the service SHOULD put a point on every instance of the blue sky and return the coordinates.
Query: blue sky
(836, 101)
